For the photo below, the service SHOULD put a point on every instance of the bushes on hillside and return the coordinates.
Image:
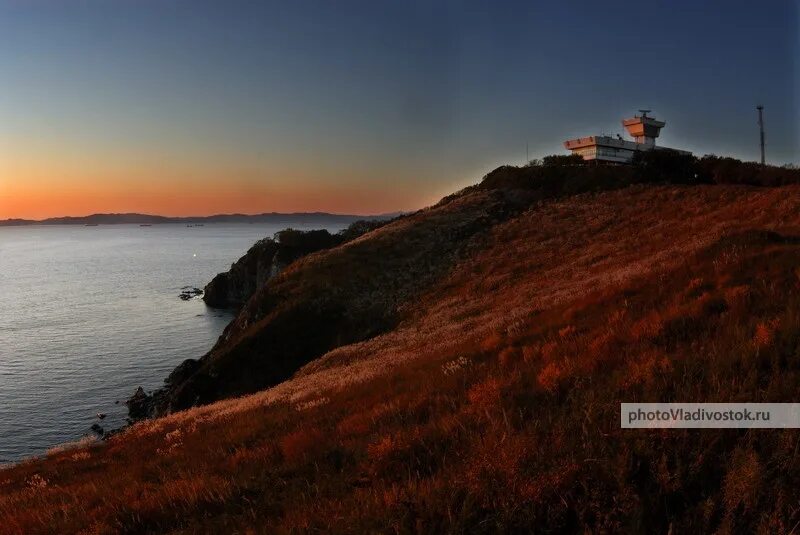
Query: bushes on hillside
(361, 227)
(305, 239)
(290, 237)
(724, 170)
(314, 240)
(558, 160)
(667, 166)
(560, 175)
(269, 256)
(675, 168)
(557, 180)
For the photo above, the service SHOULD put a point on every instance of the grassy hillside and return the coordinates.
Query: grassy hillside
(367, 287)
(464, 367)
(337, 296)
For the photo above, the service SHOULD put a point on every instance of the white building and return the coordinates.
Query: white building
(643, 129)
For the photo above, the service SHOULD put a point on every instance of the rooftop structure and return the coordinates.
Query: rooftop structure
(643, 129)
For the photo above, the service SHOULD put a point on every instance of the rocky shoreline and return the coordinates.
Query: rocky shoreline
(232, 290)
(302, 295)
(264, 260)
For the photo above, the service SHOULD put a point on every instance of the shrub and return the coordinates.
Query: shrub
(508, 356)
(725, 170)
(559, 160)
(550, 376)
(492, 342)
(530, 353)
(382, 449)
(664, 165)
(561, 175)
(361, 227)
(485, 396)
(764, 335)
(648, 327)
(301, 444)
(306, 240)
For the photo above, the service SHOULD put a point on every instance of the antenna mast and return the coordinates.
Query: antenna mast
(760, 109)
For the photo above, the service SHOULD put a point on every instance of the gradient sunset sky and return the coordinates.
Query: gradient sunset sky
(193, 107)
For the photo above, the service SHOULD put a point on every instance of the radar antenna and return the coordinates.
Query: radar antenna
(644, 113)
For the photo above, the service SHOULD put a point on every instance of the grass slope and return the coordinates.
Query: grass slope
(490, 402)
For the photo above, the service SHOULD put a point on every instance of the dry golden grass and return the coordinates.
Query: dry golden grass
(493, 407)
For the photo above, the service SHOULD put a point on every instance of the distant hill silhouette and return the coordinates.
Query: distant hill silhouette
(139, 219)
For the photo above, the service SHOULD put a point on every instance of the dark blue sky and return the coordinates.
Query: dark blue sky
(370, 106)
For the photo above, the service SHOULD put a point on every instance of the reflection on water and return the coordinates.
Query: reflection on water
(89, 313)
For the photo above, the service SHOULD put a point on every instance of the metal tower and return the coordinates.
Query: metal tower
(760, 109)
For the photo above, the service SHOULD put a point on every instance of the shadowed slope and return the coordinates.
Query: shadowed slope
(335, 297)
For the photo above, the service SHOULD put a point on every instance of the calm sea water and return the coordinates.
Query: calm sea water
(87, 314)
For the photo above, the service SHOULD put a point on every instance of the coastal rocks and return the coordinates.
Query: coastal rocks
(97, 428)
(216, 293)
(323, 304)
(264, 260)
(182, 371)
(346, 294)
(234, 287)
(142, 405)
(190, 292)
(139, 405)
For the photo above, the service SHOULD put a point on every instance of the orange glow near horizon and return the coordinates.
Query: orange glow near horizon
(36, 192)
(42, 203)
(53, 176)
(120, 185)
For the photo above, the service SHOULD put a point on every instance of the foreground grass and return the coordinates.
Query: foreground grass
(494, 406)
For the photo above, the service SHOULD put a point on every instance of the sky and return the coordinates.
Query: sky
(196, 107)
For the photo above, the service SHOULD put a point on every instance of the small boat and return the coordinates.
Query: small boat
(145, 225)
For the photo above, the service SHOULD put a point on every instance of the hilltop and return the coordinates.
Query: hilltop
(460, 369)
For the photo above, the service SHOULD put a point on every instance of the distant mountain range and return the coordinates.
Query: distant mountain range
(145, 219)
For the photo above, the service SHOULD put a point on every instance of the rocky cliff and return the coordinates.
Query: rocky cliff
(265, 259)
(335, 296)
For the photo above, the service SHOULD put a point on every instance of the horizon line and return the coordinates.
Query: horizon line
(223, 214)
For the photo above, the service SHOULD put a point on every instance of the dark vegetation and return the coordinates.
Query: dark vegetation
(463, 371)
(723, 170)
(669, 167)
(270, 256)
(569, 175)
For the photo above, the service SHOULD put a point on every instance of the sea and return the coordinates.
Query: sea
(90, 313)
